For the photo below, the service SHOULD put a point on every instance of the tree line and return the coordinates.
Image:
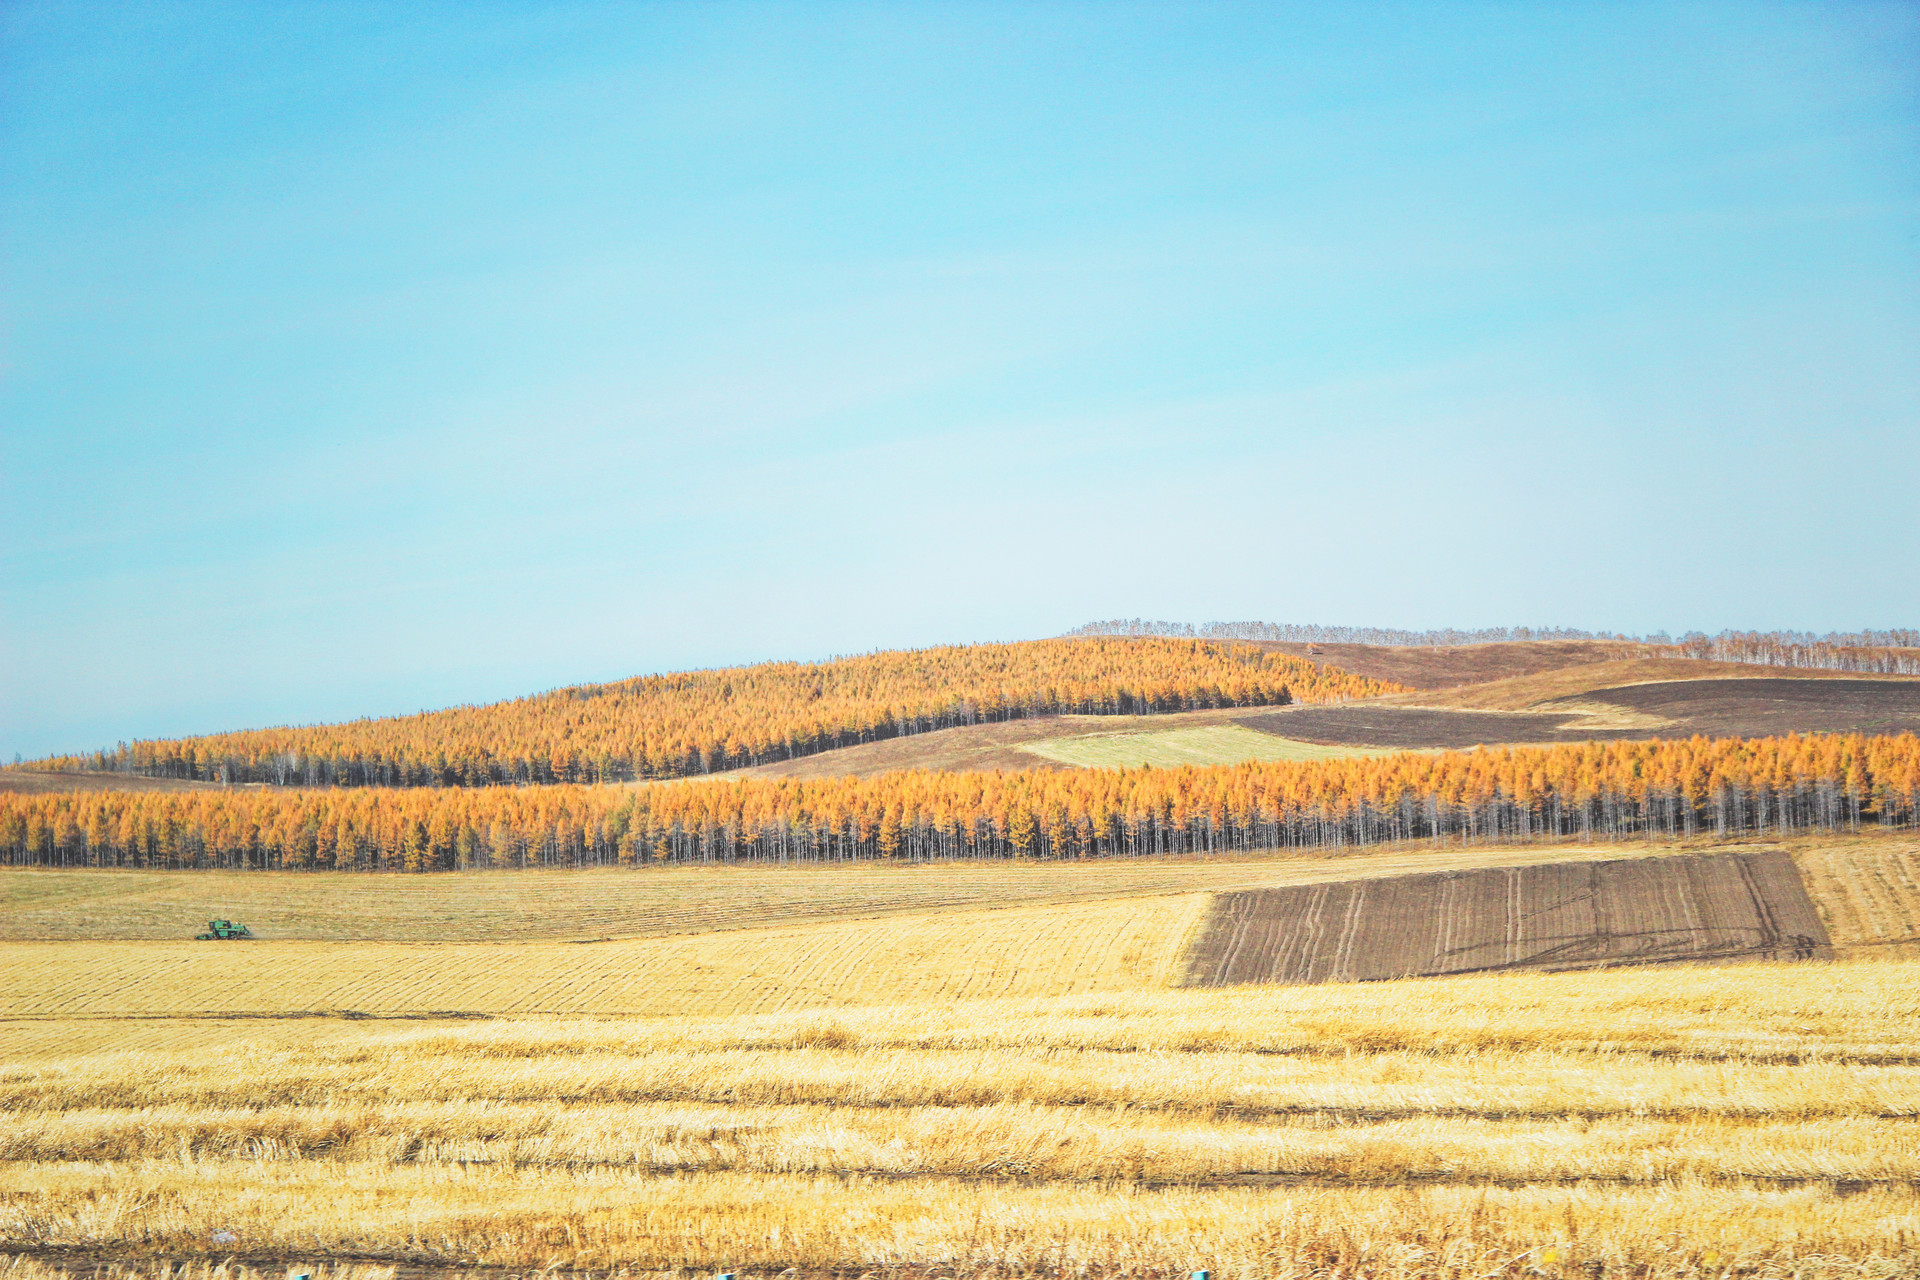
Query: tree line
(1895, 651)
(1298, 633)
(699, 722)
(1589, 791)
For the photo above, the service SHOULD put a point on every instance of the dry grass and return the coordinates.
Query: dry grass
(1052, 1143)
(555, 905)
(1120, 945)
(858, 1109)
(27, 1267)
(1648, 1122)
(1215, 744)
(1007, 745)
(35, 782)
(1867, 892)
(46, 904)
(64, 990)
(764, 1223)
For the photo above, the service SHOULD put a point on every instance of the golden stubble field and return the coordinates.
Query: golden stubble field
(1002, 1090)
(45, 904)
(1754, 1120)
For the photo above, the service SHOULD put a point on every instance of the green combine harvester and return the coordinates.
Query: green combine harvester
(221, 930)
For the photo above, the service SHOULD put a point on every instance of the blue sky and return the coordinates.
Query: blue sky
(364, 358)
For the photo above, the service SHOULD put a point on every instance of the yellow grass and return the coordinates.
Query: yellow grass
(557, 905)
(860, 1106)
(763, 1224)
(44, 904)
(1101, 946)
(1671, 1122)
(1118, 944)
(27, 1267)
(58, 992)
(1868, 893)
(1218, 744)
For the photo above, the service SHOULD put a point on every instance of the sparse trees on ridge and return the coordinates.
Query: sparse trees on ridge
(1589, 791)
(1894, 652)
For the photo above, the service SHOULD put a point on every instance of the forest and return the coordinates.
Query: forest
(1587, 791)
(699, 722)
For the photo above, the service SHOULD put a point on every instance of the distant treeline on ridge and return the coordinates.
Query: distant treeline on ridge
(1894, 652)
(1587, 791)
(698, 722)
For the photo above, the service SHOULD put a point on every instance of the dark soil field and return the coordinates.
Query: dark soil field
(1535, 692)
(1716, 908)
(1370, 724)
(1747, 707)
(1750, 707)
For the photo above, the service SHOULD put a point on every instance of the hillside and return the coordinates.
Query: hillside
(1046, 705)
(700, 722)
(1450, 666)
(1058, 742)
(1460, 697)
(1622, 700)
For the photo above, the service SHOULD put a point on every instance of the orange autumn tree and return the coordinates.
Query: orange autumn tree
(1590, 791)
(697, 722)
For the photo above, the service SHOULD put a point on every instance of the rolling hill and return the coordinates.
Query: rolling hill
(1457, 697)
(702, 722)
(1072, 990)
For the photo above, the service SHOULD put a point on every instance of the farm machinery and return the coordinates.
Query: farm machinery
(223, 930)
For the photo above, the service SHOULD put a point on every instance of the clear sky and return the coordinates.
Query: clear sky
(365, 358)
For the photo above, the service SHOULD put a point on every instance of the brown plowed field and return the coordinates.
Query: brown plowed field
(1373, 725)
(1549, 688)
(1701, 907)
(1745, 707)
(1621, 699)
(1756, 707)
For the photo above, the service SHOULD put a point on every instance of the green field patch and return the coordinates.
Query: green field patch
(1211, 744)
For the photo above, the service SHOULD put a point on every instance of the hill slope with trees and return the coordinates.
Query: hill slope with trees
(698, 722)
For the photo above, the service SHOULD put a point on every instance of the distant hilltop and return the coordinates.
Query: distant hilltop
(1870, 651)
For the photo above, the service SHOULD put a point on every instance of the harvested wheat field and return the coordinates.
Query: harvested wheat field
(1133, 938)
(1867, 892)
(1758, 1120)
(1020, 1090)
(587, 904)
(1121, 945)
(570, 905)
(1699, 908)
